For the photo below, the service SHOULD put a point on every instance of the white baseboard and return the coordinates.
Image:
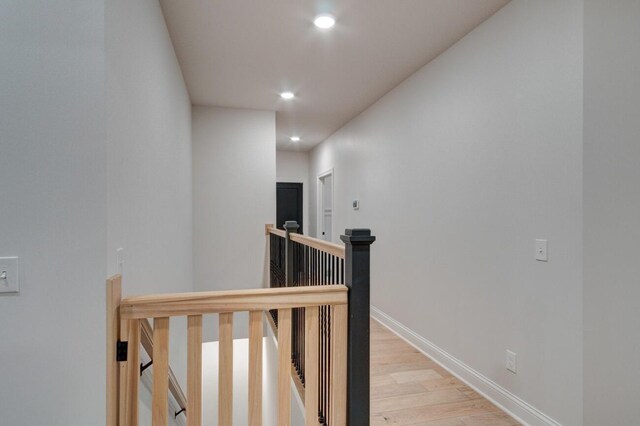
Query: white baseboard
(522, 411)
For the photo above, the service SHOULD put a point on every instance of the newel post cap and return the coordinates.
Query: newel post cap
(359, 236)
(291, 226)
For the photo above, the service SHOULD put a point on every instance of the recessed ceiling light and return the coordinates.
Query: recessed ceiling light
(287, 95)
(324, 21)
(295, 138)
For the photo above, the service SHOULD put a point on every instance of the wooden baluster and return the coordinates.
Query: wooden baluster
(284, 367)
(255, 368)
(225, 370)
(160, 404)
(134, 370)
(338, 410)
(194, 370)
(311, 362)
(123, 377)
(130, 373)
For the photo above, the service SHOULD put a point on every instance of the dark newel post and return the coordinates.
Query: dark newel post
(357, 278)
(289, 227)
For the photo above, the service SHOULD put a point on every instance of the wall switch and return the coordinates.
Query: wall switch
(511, 361)
(356, 204)
(9, 275)
(542, 250)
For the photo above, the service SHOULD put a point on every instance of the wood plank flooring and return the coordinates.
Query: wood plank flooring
(407, 388)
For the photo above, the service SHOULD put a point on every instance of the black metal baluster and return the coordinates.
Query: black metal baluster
(295, 320)
(324, 385)
(329, 358)
(323, 278)
(326, 344)
(299, 319)
(327, 350)
(302, 318)
(320, 359)
(324, 268)
(334, 268)
(316, 258)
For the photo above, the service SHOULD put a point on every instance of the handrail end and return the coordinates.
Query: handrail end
(267, 228)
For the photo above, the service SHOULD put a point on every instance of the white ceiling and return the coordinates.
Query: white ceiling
(243, 53)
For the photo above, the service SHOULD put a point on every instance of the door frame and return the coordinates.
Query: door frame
(320, 207)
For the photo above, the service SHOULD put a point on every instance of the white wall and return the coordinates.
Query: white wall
(293, 166)
(96, 154)
(53, 211)
(149, 161)
(611, 213)
(149, 151)
(458, 170)
(234, 175)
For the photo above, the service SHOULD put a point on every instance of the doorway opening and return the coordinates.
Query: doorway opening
(325, 206)
(289, 204)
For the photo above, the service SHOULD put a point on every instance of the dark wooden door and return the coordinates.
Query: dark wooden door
(289, 203)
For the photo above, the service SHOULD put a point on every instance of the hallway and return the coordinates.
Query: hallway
(489, 149)
(407, 388)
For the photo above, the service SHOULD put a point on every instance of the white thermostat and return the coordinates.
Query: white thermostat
(356, 204)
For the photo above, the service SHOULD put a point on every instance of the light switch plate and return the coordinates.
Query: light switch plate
(542, 252)
(9, 275)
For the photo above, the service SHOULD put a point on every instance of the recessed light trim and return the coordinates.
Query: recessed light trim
(287, 95)
(295, 138)
(324, 21)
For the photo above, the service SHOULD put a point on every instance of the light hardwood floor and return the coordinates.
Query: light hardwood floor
(407, 388)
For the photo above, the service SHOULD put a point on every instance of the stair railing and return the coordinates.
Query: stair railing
(298, 261)
(124, 324)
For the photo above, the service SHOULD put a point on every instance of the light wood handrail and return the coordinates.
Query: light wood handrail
(322, 245)
(146, 338)
(209, 302)
(326, 246)
(276, 231)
